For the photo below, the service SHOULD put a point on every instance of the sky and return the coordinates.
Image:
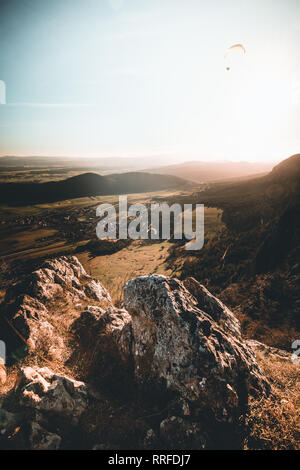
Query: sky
(138, 78)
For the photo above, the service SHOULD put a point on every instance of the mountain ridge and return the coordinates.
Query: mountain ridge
(87, 185)
(201, 171)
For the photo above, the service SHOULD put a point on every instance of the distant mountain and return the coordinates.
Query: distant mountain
(253, 263)
(284, 184)
(113, 164)
(288, 169)
(212, 171)
(279, 186)
(269, 204)
(88, 184)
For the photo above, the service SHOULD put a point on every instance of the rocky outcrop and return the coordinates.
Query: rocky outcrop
(185, 348)
(174, 358)
(50, 406)
(189, 346)
(53, 394)
(32, 306)
(179, 345)
(63, 276)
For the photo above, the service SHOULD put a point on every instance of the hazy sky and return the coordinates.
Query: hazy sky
(148, 77)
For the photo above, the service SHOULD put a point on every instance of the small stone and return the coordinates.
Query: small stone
(40, 439)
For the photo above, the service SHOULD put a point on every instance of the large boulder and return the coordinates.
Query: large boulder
(213, 306)
(188, 345)
(60, 277)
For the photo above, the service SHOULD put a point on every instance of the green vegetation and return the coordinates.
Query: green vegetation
(87, 184)
(137, 259)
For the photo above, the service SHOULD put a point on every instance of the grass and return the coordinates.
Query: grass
(274, 423)
(139, 259)
(212, 222)
(35, 209)
(116, 269)
(24, 239)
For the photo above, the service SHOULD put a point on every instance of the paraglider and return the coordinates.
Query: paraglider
(232, 49)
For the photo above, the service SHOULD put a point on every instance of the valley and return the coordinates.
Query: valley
(29, 234)
(249, 261)
(251, 243)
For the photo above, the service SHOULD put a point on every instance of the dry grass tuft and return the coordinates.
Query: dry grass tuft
(274, 423)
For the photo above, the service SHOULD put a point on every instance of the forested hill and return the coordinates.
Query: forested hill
(88, 184)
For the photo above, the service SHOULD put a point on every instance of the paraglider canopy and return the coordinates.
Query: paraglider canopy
(231, 50)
